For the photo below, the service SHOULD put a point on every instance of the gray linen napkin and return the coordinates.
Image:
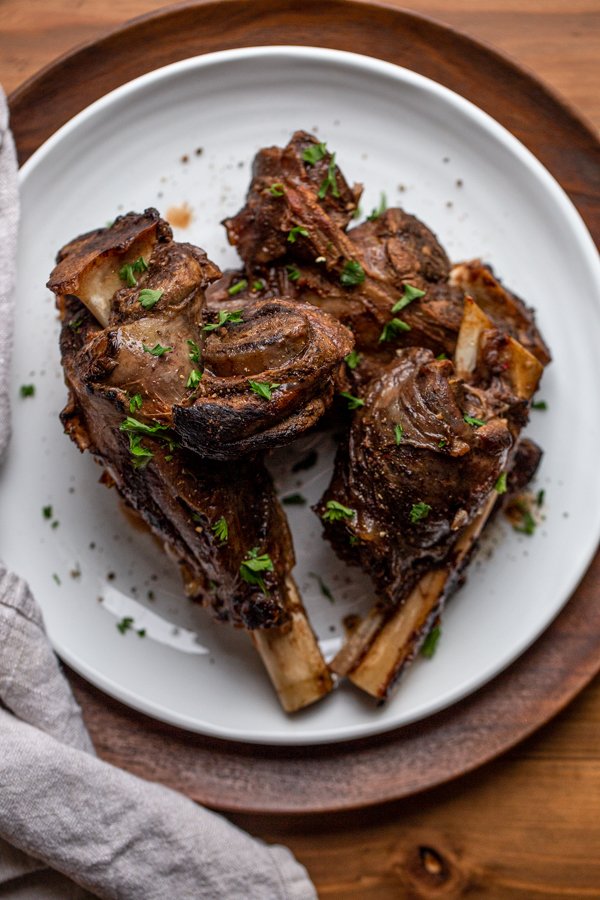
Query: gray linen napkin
(114, 835)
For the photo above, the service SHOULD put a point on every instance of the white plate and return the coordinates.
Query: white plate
(394, 131)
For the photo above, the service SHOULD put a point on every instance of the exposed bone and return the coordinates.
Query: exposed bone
(523, 370)
(396, 644)
(292, 657)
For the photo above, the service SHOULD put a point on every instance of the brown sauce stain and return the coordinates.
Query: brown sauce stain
(179, 216)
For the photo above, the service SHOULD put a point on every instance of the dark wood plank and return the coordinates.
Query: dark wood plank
(239, 777)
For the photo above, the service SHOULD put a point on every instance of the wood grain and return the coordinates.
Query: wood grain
(526, 825)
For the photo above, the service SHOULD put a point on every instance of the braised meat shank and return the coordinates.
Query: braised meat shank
(229, 385)
(414, 471)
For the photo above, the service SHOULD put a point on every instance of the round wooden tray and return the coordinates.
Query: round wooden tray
(253, 778)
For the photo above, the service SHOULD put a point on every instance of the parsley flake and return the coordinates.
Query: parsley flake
(293, 272)
(353, 359)
(128, 272)
(27, 390)
(500, 486)
(410, 293)
(326, 591)
(194, 379)
(149, 298)
(134, 426)
(252, 565)
(47, 512)
(141, 455)
(379, 210)
(419, 512)
(431, 641)
(314, 153)
(258, 285)
(221, 530)
(392, 329)
(277, 189)
(125, 624)
(475, 423)
(352, 273)
(539, 500)
(264, 389)
(224, 318)
(398, 433)
(295, 231)
(330, 181)
(135, 402)
(441, 356)
(238, 287)
(353, 402)
(194, 353)
(157, 350)
(539, 404)
(335, 511)
(528, 523)
(294, 500)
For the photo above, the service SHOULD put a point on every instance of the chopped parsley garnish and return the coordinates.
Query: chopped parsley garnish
(352, 540)
(353, 402)
(141, 632)
(410, 293)
(442, 443)
(56, 578)
(220, 530)
(55, 524)
(528, 523)
(134, 426)
(264, 389)
(141, 456)
(293, 272)
(352, 273)
(135, 402)
(238, 287)
(47, 512)
(539, 404)
(398, 433)
(353, 359)
(323, 587)
(194, 353)
(125, 624)
(27, 390)
(357, 213)
(500, 486)
(76, 323)
(194, 379)
(224, 318)
(330, 181)
(392, 329)
(441, 356)
(258, 285)
(419, 512)
(252, 565)
(335, 511)
(307, 462)
(149, 298)
(295, 231)
(128, 272)
(431, 641)
(277, 189)
(294, 500)
(539, 499)
(475, 423)
(157, 350)
(314, 153)
(379, 211)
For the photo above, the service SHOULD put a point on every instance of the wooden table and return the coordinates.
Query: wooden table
(527, 825)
